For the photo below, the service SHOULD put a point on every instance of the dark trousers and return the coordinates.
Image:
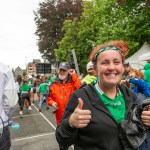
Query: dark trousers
(23, 97)
(5, 141)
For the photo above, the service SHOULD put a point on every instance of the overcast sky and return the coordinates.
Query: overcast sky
(17, 28)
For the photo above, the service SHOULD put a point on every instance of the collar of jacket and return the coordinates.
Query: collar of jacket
(69, 79)
(98, 103)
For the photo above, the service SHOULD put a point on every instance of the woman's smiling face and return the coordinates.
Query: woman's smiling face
(109, 67)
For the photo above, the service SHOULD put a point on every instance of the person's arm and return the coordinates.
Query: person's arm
(47, 88)
(39, 89)
(76, 80)
(134, 81)
(51, 100)
(20, 89)
(9, 97)
(17, 87)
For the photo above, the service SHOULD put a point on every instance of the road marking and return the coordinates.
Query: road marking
(39, 135)
(45, 118)
(49, 122)
(30, 137)
(26, 115)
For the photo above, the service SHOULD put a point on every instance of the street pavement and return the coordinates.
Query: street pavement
(37, 130)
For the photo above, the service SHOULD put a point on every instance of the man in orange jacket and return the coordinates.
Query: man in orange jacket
(62, 87)
(65, 83)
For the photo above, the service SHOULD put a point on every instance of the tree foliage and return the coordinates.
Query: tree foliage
(102, 21)
(49, 20)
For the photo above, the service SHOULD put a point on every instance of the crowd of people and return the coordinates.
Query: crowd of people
(94, 111)
(28, 86)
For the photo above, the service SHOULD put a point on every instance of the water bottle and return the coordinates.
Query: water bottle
(15, 126)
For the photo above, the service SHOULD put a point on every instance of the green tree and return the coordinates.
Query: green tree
(103, 21)
(78, 36)
(49, 20)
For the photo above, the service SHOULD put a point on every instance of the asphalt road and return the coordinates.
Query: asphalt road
(37, 130)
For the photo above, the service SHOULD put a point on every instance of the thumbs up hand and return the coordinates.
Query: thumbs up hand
(80, 118)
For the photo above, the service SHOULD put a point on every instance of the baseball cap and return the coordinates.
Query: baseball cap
(64, 65)
(89, 65)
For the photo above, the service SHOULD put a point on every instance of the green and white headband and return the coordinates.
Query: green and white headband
(107, 48)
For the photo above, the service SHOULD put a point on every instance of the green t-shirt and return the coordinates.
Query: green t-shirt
(116, 106)
(43, 88)
(25, 88)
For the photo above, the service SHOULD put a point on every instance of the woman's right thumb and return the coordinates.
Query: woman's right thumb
(80, 104)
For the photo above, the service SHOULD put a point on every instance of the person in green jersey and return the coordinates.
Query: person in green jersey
(94, 114)
(25, 89)
(44, 91)
(127, 69)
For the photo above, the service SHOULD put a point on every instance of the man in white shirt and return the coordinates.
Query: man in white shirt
(8, 101)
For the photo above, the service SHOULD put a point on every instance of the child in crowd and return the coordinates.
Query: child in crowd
(44, 91)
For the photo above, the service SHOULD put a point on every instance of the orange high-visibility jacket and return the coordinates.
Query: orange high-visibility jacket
(60, 93)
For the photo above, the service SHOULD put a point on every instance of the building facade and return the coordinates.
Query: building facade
(31, 67)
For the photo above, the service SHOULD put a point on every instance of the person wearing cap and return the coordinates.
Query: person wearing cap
(61, 88)
(65, 83)
(96, 112)
(126, 75)
(91, 76)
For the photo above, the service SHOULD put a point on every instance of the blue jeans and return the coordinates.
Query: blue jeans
(43, 95)
(146, 144)
(5, 141)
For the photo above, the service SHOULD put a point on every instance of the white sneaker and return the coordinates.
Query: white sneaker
(20, 113)
(29, 108)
